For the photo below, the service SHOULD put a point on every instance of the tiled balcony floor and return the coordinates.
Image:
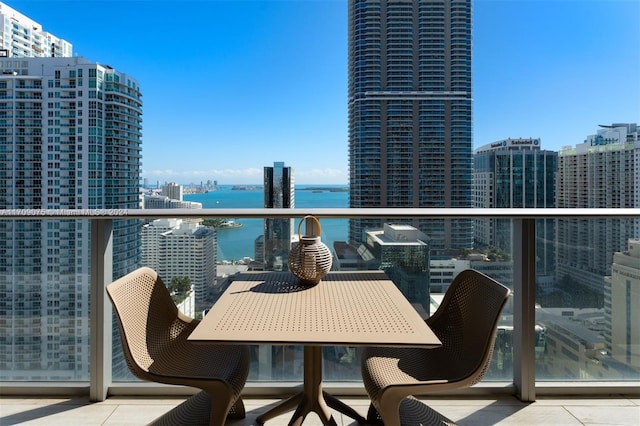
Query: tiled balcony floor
(463, 411)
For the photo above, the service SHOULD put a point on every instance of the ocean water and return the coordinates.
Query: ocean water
(237, 243)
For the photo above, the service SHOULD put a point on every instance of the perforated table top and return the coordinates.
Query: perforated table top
(345, 308)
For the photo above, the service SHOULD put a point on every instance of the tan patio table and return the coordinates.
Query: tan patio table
(344, 309)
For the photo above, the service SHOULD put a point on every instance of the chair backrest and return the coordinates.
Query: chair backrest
(466, 323)
(146, 317)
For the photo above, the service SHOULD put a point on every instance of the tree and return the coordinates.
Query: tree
(215, 223)
(497, 254)
(180, 285)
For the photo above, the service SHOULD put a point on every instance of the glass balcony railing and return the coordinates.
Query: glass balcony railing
(573, 321)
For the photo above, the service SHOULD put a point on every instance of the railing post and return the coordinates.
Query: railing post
(524, 315)
(100, 317)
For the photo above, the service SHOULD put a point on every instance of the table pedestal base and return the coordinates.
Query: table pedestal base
(312, 398)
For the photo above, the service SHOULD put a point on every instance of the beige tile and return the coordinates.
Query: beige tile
(499, 413)
(505, 411)
(42, 400)
(579, 401)
(137, 414)
(616, 416)
(474, 402)
(538, 415)
(146, 400)
(56, 414)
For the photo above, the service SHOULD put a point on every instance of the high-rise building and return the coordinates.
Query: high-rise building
(515, 173)
(622, 306)
(602, 172)
(178, 248)
(173, 191)
(22, 37)
(279, 193)
(70, 137)
(258, 249)
(410, 135)
(275, 244)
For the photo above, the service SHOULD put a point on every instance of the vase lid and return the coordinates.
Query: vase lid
(309, 239)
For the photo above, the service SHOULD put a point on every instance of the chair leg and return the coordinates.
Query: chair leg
(373, 418)
(220, 406)
(237, 410)
(389, 408)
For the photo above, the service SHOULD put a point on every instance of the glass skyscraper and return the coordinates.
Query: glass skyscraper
(70, 137)
(279, 193)
(410, 142)
(515, 173)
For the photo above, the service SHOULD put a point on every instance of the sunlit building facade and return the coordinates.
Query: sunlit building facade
(602, 172)
(622, 307)
(70, 137)
(162, 202)
(179, 248)
(172, 190)
(403, 253)
(410, 135)
(515, 173)
(22, 37)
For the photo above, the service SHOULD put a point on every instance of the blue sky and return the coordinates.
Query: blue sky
(232, 86)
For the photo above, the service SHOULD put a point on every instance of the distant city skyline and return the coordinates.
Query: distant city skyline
(236, 97)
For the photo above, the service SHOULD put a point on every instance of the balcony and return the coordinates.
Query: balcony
(569, 382)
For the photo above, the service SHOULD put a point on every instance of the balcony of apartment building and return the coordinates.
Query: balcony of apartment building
(560, 358)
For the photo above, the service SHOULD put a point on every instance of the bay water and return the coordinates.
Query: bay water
(237, 243)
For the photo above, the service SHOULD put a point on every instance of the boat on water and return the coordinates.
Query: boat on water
(230, 224)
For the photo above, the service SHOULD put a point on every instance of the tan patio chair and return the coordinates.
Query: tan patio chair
(466, 324)
(154, 335)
